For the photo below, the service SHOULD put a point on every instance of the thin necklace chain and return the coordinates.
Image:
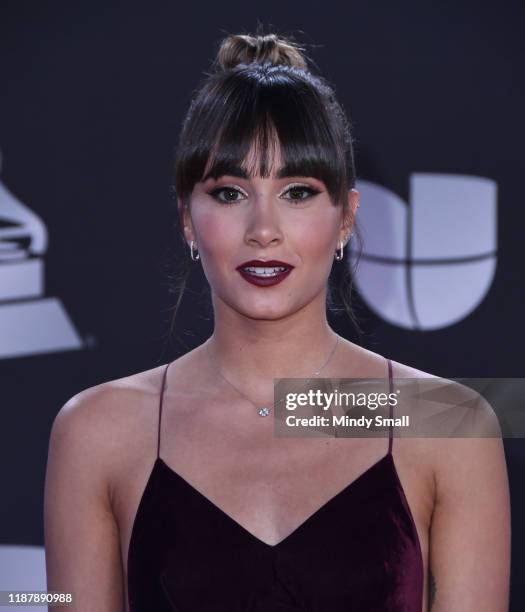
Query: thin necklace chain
(264, 410)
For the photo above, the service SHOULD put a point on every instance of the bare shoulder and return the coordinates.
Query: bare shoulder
(469, 414)
(466, 442)
(99, 429)
(103, 409)
(467, 434)
(97, 433)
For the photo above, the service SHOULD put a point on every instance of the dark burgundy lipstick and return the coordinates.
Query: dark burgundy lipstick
(264, 273)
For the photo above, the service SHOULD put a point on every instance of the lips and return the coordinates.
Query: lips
(261, 263)
(264, 273)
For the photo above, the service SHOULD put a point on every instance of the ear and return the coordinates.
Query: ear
(187, 224)
(348, 220)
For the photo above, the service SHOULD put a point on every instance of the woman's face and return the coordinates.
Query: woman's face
(234, 220)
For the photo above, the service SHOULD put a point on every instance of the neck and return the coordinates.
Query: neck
(252, 352)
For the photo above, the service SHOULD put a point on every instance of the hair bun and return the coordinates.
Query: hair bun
(246, 48)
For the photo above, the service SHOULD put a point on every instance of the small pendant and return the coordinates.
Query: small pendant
(264, 412)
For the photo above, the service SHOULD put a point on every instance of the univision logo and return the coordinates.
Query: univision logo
(428, 264)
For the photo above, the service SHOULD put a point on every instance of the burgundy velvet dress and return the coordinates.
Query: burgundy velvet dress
(359, 552)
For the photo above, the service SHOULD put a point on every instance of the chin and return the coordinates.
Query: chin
(265, 311)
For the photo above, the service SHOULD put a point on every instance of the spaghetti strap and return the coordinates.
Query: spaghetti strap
(391, 389)
(163, 385)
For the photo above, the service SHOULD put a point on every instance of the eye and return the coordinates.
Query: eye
(230, 193)
(304, 189)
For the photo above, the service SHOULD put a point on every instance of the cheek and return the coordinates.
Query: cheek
(215, 231)
(217, 241)
(314, 239)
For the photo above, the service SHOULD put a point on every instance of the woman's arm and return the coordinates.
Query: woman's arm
(81, 534)
(470, 533)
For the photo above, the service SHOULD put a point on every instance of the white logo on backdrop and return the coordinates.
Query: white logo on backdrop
(23, 568)
(29, 322)
(428, 264)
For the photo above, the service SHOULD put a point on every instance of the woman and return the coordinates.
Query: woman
(168, 490)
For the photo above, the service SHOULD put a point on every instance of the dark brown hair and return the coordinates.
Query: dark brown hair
(260, 91)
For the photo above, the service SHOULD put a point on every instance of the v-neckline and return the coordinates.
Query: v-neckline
(302, 525)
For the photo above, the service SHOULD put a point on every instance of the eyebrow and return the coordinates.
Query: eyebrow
(239, 172)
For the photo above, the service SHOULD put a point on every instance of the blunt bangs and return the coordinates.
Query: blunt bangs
(264, 106)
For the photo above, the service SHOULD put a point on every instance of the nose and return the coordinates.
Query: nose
(264, 224)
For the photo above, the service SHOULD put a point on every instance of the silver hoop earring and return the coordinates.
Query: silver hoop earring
(193, 256)
(339, 256)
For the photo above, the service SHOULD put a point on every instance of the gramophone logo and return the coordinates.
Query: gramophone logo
(29, 322)
(428, 264)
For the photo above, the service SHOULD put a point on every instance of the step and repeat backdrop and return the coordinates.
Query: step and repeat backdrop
(92, 98)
